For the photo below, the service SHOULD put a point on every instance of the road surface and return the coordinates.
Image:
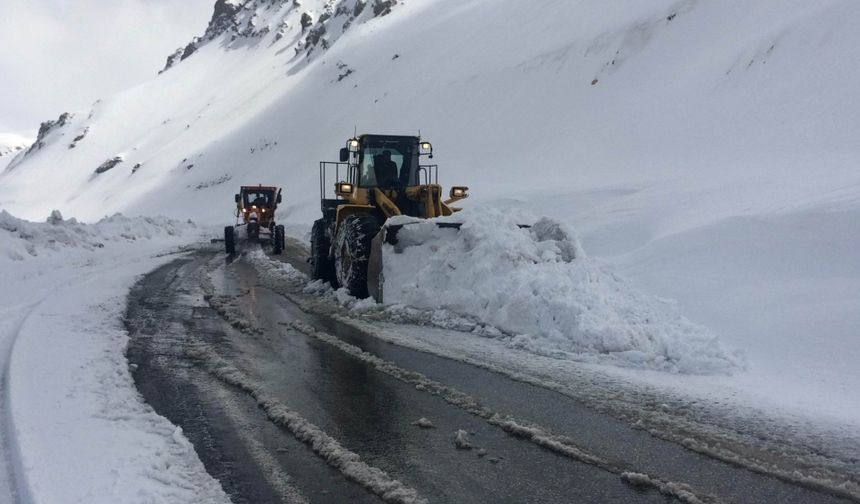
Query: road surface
(288, 406)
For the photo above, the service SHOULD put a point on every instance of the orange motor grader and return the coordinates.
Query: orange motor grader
(255, 210)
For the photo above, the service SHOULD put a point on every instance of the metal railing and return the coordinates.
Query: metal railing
(429, 173)
(328, 167)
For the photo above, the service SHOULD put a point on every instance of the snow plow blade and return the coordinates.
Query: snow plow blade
(388, 235)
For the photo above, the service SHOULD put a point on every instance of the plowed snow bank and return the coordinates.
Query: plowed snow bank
(538, 286)
(67, 390)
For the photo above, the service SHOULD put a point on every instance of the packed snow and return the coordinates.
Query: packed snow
(539, 287)
(68, 395)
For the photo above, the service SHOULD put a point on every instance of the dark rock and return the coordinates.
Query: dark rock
(45, 129)
(109, 165)
(55, 219)
(383, 7)
(172, 60)
(224, 18)
(81, 136)
(359, 8)
(307, 21)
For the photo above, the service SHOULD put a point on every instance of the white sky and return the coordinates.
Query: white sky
(62, 55)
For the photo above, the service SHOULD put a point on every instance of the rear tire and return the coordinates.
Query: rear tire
(279, 239)
(352, 252)
(322, 267)
(229, 240)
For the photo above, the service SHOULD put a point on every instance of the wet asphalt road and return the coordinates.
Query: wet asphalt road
(181, 306)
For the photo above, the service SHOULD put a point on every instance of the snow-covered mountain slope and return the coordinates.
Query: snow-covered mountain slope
(707, 150)
(11, 144)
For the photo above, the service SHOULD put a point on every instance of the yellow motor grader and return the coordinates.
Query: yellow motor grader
(378, 177)
(255, 210)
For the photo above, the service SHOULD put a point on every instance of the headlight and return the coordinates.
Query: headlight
(426, 146)
(344, 188)
(459, 192)
(353, 145)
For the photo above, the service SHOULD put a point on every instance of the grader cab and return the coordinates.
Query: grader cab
(378, 177)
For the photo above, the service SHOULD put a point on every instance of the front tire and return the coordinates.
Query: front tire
(322, 267)
(352, 252)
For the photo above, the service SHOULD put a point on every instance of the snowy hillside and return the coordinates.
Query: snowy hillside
(11, 144)
(706, 151)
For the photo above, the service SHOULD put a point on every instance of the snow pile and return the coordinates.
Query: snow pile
(21, 239)
(538, 285)
(65, 383)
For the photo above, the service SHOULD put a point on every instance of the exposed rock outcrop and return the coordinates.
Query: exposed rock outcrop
(321, 23)
(109, 165)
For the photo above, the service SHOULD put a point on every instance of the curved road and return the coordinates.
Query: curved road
(286, 406)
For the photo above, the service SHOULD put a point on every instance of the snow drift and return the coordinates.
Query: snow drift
(21, 240)
(538, 286)
(67, 391)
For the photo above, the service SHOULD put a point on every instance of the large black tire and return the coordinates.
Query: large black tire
(322, 268)
(229, 240)
(352, 252)
(280, 236)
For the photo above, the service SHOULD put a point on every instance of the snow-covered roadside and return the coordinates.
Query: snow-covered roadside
(69, 400)
(539, 287)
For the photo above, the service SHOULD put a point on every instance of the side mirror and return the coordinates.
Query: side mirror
(238, 198)
(344, 155)
(279, 198)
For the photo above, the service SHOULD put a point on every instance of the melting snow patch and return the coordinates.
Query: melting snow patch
(461, 440)
(538, 286)
(423, 423)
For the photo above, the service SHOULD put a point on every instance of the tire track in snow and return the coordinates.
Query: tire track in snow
(559, 444)
(329, 449)
(280, 481)
(12, 480)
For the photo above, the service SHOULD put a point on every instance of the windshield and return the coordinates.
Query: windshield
(258, 197)
(388, 162)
